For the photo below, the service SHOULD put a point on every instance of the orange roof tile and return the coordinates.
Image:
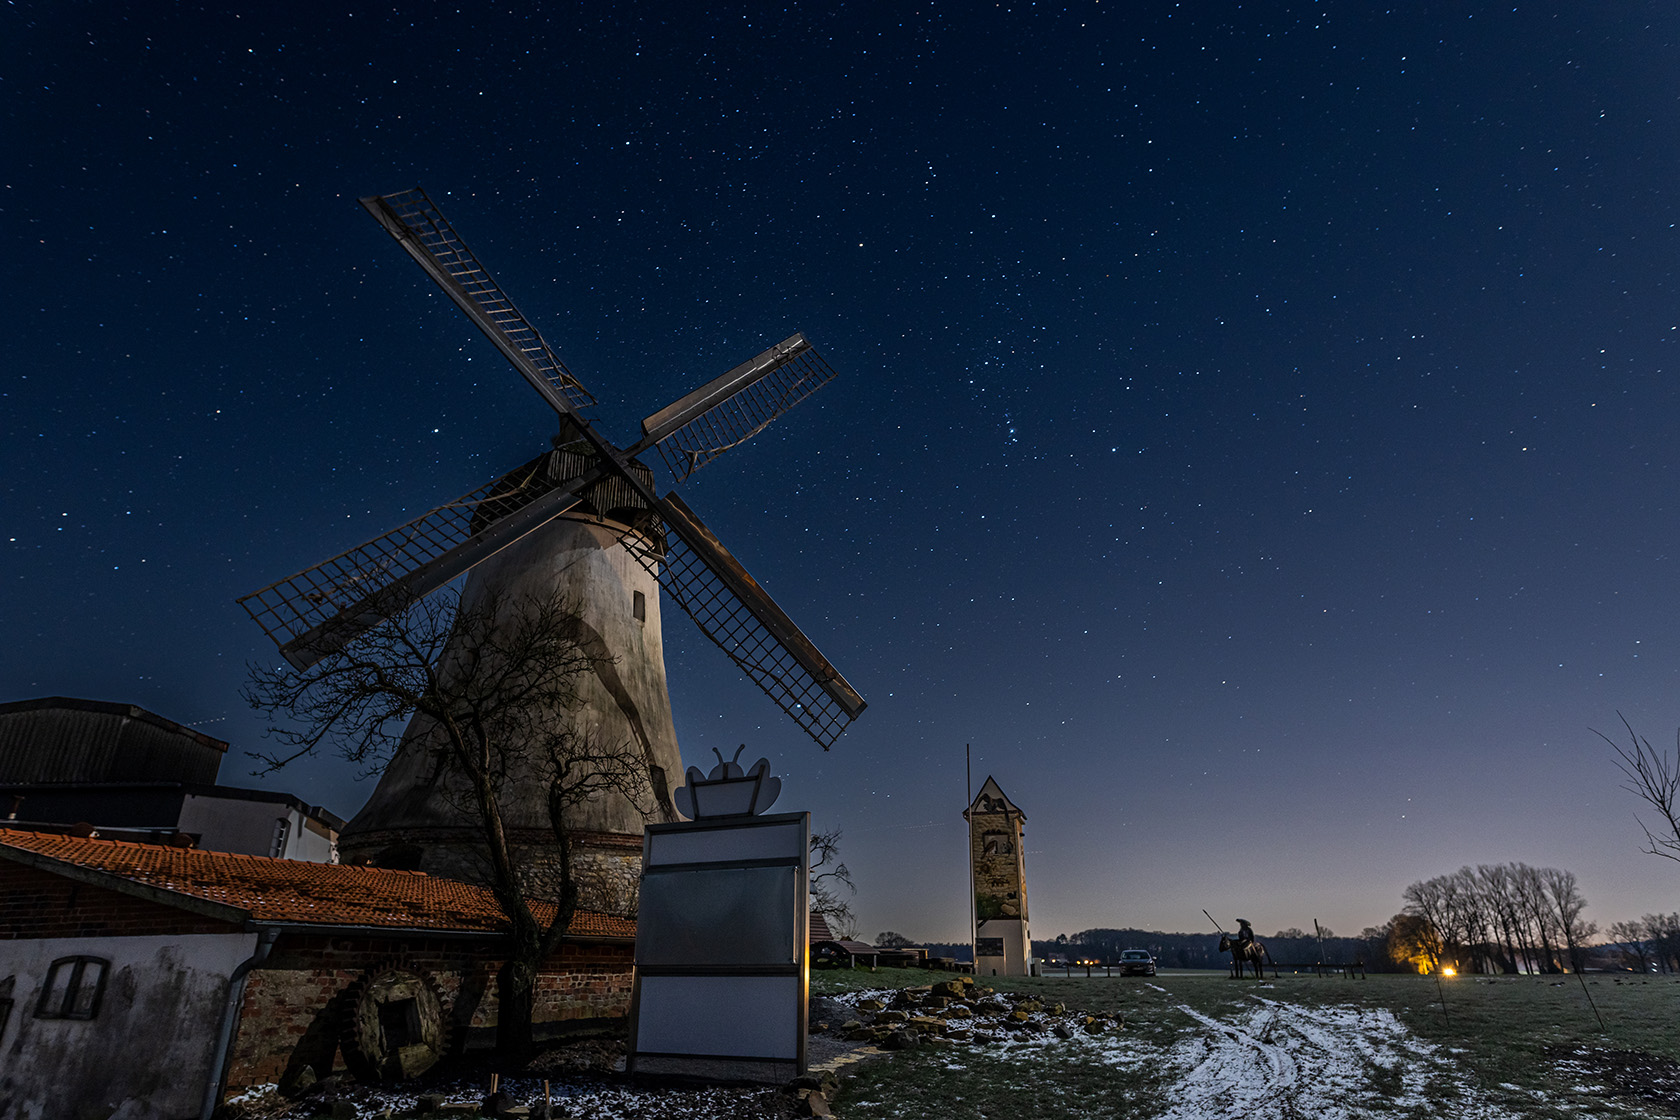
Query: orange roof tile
(292, 891)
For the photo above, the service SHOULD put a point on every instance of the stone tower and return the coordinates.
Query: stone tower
(414, 819)
(1003, 945)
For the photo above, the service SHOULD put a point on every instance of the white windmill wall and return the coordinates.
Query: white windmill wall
(413, 820)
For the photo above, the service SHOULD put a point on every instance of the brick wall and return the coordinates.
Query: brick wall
(36, 905)
(297, 1003)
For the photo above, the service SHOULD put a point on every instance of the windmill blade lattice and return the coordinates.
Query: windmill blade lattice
(418, 225)
(735, 407)
(318, 611)
(322, 609)
(731, 609)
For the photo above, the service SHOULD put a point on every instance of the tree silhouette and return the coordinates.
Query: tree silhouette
(1654, 777)
(490, 686)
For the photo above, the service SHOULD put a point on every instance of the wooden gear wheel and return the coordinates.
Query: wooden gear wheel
(397, 1024)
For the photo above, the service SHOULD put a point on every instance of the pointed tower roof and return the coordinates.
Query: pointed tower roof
(992, 799)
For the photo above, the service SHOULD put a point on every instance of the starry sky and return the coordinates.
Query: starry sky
(1254, 431)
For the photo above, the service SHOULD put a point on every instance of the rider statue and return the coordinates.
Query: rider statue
(1245, 933)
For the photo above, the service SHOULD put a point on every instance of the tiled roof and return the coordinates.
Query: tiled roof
(293, 891)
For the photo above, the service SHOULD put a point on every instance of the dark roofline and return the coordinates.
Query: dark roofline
(232, 793)
(106, 707)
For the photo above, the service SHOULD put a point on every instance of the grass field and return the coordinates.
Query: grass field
(1199, 1045)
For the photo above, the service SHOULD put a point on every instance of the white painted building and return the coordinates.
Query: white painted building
(124, 1026)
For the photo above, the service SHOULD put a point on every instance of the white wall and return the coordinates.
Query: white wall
(147, 1050)
(233, 824)
(1017, 948)
(307, 844)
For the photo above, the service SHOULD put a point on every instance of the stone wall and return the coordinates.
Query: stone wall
(607, 866)
(296, 1005)
(609, 879)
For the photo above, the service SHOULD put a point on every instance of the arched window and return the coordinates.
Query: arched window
(73, 988)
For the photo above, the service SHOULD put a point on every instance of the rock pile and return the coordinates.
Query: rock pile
(959, 1011)
(812, 1093)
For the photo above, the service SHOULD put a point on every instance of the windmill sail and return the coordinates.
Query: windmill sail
(730, 607)
(320, 610)
(733, 408)
(419, 227)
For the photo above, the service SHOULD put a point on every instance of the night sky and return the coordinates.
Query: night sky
(1254, 431)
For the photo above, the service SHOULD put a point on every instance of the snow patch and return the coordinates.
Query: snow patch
(1334, 1063)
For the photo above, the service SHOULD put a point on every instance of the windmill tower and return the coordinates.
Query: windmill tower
(582, 520)
(1002, 945)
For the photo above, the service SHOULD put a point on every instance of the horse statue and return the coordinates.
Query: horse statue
(1252, 952)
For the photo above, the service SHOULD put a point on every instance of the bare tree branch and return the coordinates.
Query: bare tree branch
(495, 683)
(1654, 778)
(828, 878)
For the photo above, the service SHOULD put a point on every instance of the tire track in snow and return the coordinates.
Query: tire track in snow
(1219, 1081)
(1282, 1060)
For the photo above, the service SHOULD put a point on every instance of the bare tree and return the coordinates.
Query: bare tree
(1495, 882)
(1567, 901)
(1662, 931)
(1428, 939)
(1496, 917)
(829, 877)
(1413, 941)
(1629, 941)
(1654, 778)
(490, 686)
(1537, 915)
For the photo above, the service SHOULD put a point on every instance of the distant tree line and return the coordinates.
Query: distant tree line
(1651, 943)
(1201, 950)
(1502, 918)
(1494, 918)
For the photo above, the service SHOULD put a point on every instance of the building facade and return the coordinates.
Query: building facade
(241, 971)
(130, 774)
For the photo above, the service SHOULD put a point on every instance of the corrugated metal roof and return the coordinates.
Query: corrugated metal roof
(63, 739)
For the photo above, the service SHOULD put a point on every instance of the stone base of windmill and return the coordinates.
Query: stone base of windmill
(606, 866)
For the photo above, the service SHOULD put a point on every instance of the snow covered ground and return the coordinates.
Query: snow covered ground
(1274, 1060)
(1331, 1063)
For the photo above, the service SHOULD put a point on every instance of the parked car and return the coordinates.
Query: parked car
(1136, 962)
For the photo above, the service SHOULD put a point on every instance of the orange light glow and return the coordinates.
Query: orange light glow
(1449, 972)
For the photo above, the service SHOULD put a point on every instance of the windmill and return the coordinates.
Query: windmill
(582, 519)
